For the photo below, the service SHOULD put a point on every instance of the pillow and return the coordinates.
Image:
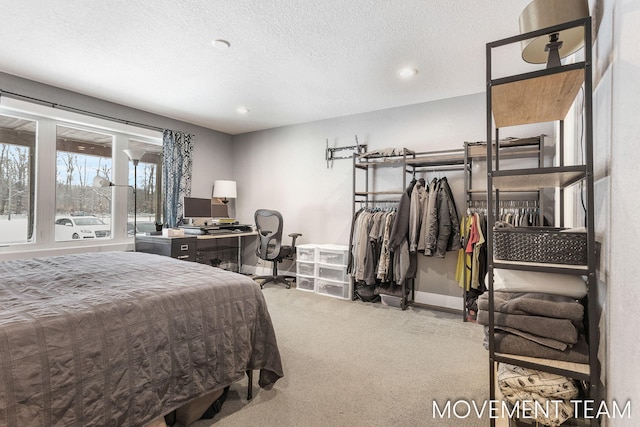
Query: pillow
(533, 281)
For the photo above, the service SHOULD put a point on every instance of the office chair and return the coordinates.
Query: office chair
(269, 225)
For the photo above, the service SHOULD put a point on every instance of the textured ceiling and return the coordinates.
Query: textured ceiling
(290, 61)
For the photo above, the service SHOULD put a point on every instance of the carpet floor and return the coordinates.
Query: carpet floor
(362, 364)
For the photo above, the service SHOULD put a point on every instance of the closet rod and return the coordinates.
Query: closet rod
(76, 110)
(442, 168)
(362, 202)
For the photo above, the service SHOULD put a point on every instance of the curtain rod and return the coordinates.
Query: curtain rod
(77, 110)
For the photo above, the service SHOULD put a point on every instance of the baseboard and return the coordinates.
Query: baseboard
(437, 300)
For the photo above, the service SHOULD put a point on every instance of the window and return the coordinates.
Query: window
(148, 193)
(55, 207)
(17, 144)
(80, 156)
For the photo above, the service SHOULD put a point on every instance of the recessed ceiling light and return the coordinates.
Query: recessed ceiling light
(242, 110)
(407, 72)
(221, 44)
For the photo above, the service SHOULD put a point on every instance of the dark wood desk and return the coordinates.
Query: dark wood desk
(193, 247)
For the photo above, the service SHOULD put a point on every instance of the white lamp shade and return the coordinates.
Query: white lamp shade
(224, 189)
(547, 13)
(99, 181)
(134, 153)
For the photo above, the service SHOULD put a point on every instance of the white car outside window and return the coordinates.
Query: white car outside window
(81, 227)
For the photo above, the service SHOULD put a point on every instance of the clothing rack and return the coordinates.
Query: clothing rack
(531, 148)
(506, 204)
(411, 165)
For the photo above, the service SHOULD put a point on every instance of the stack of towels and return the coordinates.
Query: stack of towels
(536, 325)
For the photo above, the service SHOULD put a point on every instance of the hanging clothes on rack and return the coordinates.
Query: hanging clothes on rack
(384, 263)
(403, 262)
(464, 259)
(371, 260)
(438, 228)
(429, 224)
(448, 223)
(473, 258)
(419, 198)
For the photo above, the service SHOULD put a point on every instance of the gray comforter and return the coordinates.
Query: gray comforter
(119, 338)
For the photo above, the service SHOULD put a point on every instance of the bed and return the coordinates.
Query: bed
(122, 338)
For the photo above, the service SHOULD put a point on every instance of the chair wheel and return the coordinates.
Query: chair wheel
(288, 286)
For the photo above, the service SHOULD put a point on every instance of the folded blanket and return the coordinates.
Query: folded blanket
(528, 387)
(557, 329)
(547, 342)
(513, 344)
(536, 304)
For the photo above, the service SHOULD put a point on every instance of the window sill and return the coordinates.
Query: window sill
(21, 252)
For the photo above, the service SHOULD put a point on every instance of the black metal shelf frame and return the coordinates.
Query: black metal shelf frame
(411, 163)
(583, 173)
(509, 144)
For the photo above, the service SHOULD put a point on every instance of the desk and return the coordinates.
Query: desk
(210, 243)
(192, 247)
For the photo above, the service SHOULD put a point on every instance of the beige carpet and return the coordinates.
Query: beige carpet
(361, 364)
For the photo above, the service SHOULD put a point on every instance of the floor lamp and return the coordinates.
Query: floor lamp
(135, 155)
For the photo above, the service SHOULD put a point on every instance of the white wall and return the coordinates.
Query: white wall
(623, 380)
(285, 169)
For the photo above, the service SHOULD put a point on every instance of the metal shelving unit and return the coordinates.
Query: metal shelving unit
(408, 163)
(543, 96)
(512, 148)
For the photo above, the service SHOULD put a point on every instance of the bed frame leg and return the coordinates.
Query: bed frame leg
(250, 386)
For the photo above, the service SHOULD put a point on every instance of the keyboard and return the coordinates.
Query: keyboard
(215, 229)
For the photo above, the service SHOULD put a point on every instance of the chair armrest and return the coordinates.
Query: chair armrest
(294, 236)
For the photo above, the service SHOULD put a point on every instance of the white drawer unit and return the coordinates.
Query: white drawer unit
(304, 268)
(323, 269)
(332, 272)
(306, 283)
(333, 289)
(306, 253)
(333, 254)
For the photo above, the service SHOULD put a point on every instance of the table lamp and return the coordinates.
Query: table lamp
(224, 190)
(550, 48)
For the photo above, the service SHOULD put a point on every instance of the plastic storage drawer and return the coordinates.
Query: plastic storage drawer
(332, 254)
(306, 253)
(306, 268)
(337, 273)
(305, 283)
(391, 300)
(332, 289)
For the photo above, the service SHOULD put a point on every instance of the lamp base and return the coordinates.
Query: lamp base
(553, 47)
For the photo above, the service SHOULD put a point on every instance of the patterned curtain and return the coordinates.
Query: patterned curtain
(177, 149)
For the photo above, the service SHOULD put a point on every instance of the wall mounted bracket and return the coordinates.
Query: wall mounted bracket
(330, 152)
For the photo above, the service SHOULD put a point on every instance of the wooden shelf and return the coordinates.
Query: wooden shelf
(578, 371)
(578, 270)
(541, 99)
(511, 147)
(537, 178)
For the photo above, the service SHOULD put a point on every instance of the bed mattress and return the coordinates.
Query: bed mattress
(119, 338)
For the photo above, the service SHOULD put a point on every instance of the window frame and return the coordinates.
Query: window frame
(44, 184)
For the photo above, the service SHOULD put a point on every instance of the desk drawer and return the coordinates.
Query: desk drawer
(183, 249)
(175, 247)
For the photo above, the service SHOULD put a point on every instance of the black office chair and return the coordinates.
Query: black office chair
(269, 225)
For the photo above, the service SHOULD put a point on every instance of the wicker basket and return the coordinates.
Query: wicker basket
(540, 244)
